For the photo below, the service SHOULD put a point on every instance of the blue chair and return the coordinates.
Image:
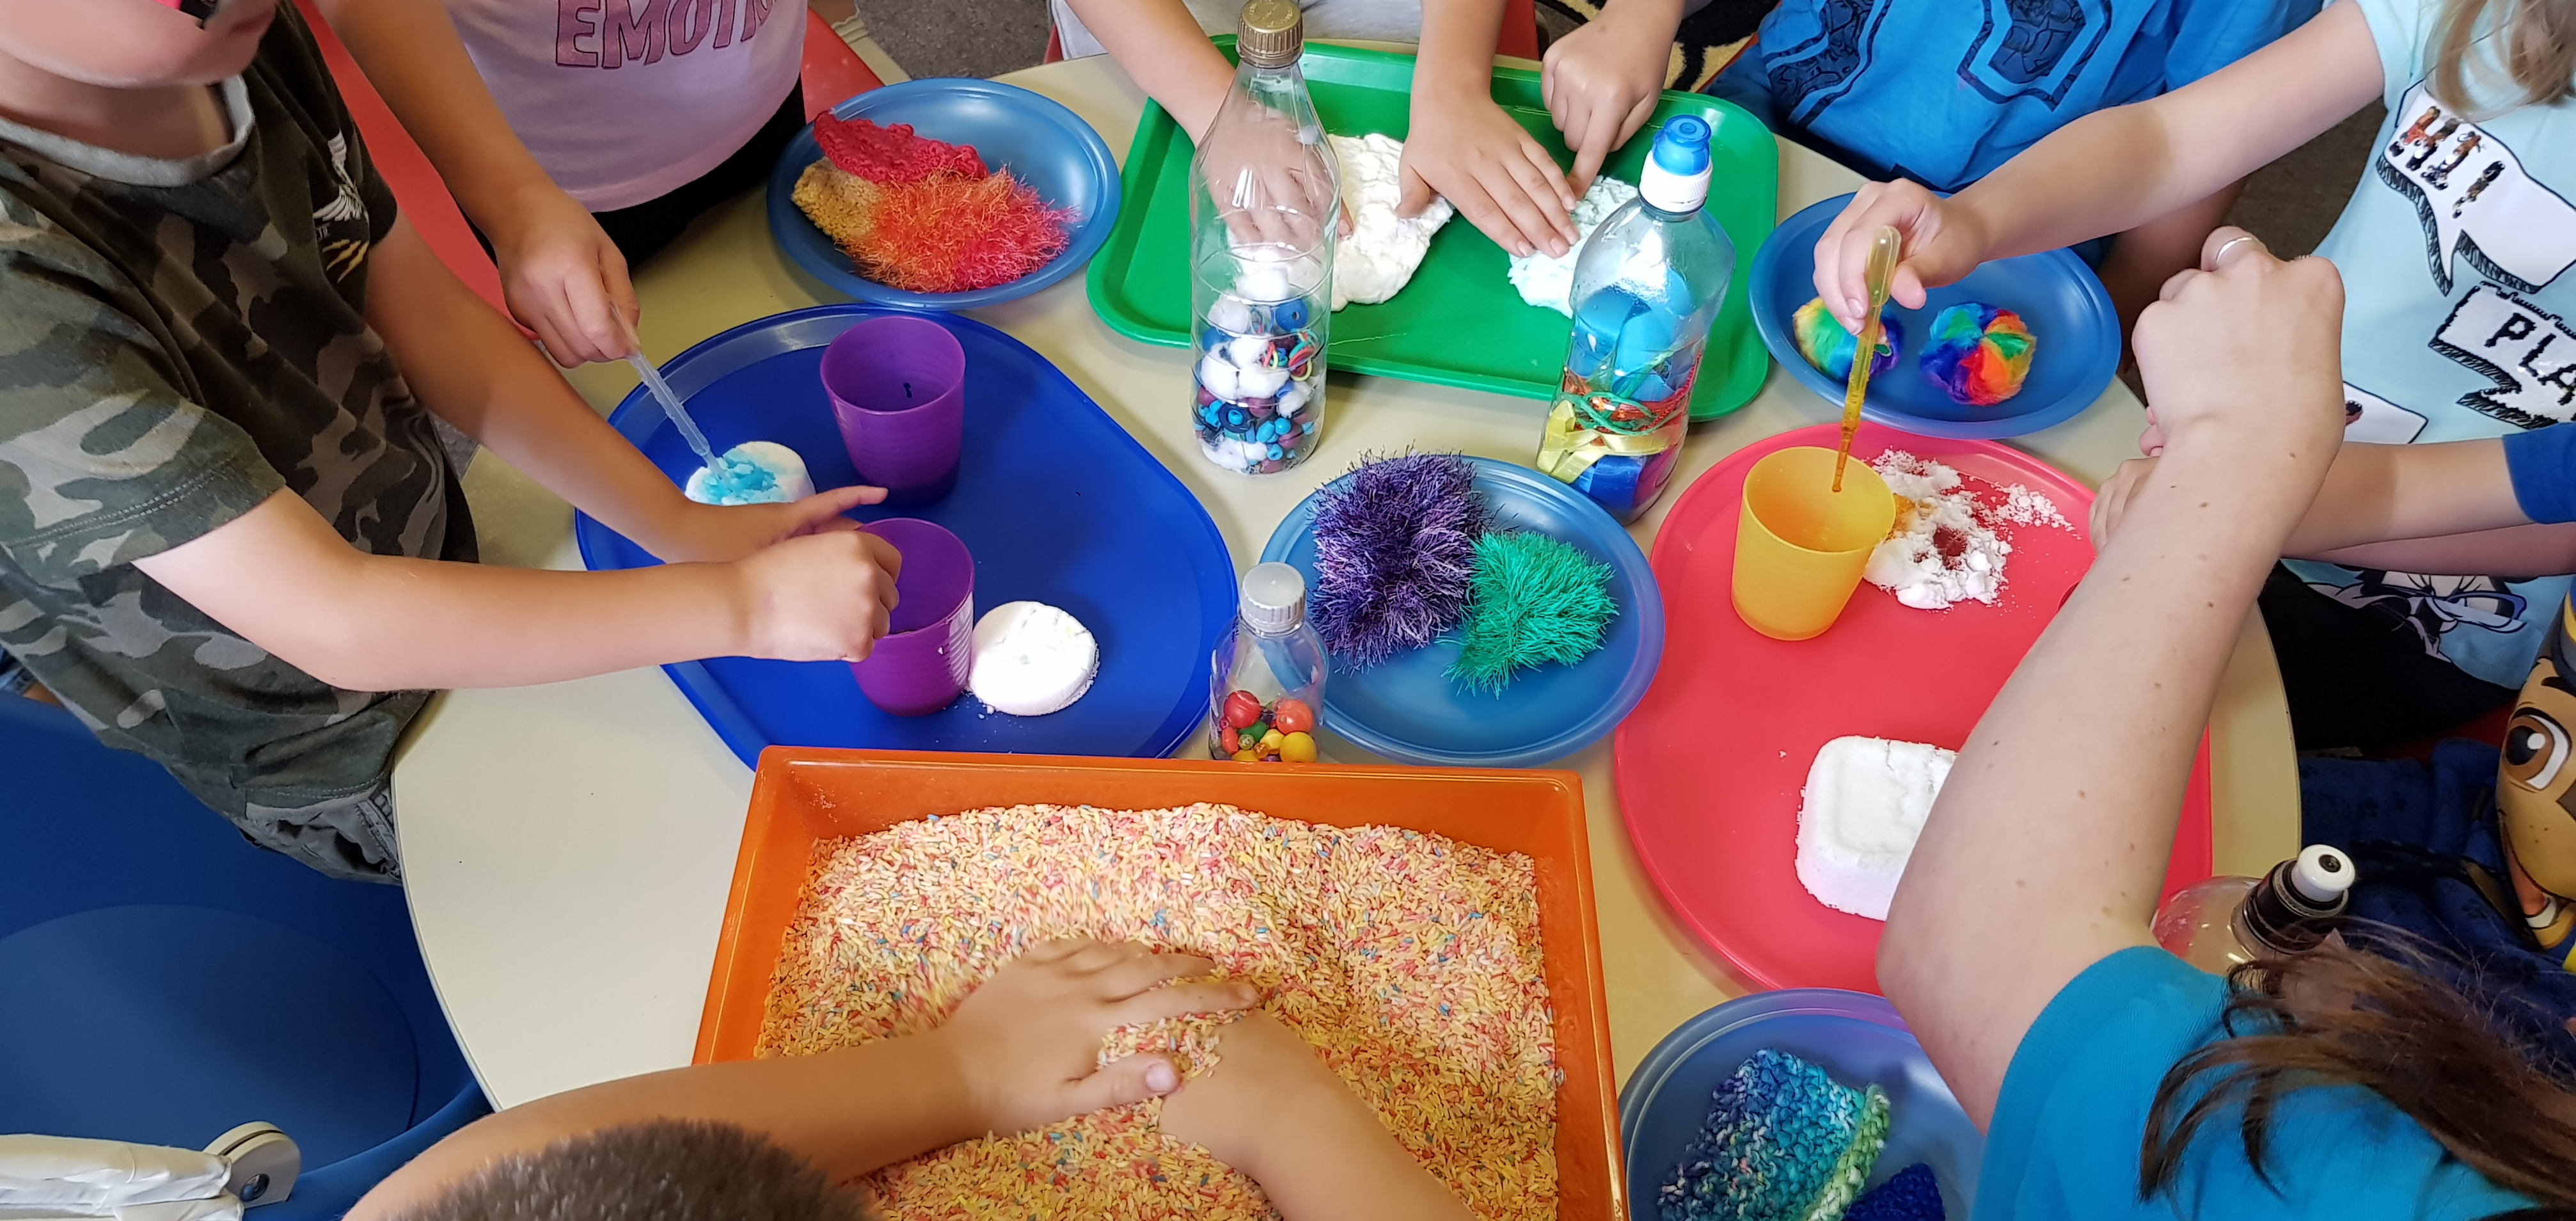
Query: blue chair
(166, 980)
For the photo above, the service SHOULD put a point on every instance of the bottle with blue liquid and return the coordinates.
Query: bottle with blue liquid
(1647, 285)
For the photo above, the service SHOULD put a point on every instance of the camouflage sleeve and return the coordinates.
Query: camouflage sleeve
(103, 459)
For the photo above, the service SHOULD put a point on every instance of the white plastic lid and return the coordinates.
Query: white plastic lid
(2323, 874)
(1676, 175)
(1274, 599)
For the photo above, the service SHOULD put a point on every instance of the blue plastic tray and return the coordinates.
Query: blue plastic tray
(1039, 141)
(1057, 502)
(1408, 709)
(1855, 1037)
(2054, 292)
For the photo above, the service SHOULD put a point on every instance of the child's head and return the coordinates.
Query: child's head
(2529, 58)
(133, 44)
(668, 1170)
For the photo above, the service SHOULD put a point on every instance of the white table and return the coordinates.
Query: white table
(569, 846)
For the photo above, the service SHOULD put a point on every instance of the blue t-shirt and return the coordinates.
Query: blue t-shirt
(2459, 319)
(1943, 92)
(2542, 464)
(2064, 1142)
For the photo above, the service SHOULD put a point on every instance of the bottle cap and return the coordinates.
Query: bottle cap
(1270, 33)
(1274, 598)
(1676, 174)
(2322, 874)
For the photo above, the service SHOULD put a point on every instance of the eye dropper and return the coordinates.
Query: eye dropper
(1883, 252)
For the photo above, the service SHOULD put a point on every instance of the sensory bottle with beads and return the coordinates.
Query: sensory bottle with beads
(1265, 200)
(1267, 683)
(2221, 922)
(1647, 284)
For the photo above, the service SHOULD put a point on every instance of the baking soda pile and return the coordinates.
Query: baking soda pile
(1948, 548)
(1409, 962)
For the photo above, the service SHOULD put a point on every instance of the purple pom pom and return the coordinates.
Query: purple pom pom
(1395, 548)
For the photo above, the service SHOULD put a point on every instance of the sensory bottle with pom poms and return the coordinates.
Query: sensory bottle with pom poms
(1647, 284)
(1265, 200)
(1266, 682)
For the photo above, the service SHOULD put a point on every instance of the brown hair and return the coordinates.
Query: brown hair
(2535, 42)
(664, 1170)
(2381, 1020)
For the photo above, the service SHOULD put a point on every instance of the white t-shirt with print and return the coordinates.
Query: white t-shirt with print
(624, 101)
(2460, 319)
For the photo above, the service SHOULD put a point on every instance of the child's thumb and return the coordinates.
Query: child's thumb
(1133, 1079)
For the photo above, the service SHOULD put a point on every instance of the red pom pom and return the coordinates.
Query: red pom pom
(891, 156)
(950, 234)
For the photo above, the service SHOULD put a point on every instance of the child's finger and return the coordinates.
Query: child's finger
(1413, 194)
(1045, 952)
(1552, 178)
(1598, 127)
(1146, 971)
(889, 564)
(1481, 211)
(1528, 201)
(1181, 1000)
(1131, 1080)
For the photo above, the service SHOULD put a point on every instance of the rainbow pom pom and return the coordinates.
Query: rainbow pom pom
(1827, 346)
(1783, 1142)
(1978, 353)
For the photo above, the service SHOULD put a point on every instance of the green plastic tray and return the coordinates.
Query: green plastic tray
(1459, 322)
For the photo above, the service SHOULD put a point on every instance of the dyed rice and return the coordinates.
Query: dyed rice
(1410, 962)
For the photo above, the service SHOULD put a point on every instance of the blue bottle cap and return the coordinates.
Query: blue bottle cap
(1682, 146)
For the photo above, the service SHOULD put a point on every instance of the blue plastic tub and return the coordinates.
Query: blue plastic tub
(2054, 292)
(1056, 501)
(1855, 1037)
(1408, 709)
(1039, 141)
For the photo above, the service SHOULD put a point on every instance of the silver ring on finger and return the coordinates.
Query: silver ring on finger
(2220, 259)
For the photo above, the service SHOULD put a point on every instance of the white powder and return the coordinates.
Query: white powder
(1383, 250)
(2024, 507)
(1946, 549)
(1031, 659)
(1858, 818)
(762, 472)
(1548, 280)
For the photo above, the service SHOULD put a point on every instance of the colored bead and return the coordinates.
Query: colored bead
(1293, 716)
(1289, 315)
(1242, 708)
(1247, 756)
(1270, 741)
(1278, 453)
(1297, 748)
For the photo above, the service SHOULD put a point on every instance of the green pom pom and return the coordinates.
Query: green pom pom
(1533, 600)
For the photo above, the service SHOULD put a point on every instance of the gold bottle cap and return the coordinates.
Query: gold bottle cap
(1270, 33)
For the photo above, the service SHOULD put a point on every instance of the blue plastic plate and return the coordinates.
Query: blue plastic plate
(1039, 141)
(1057, 502)
(2054, 292)
(1408, 709)
(1855, 1037)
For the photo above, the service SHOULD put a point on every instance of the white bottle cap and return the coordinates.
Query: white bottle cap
(1274, 599)
(2323, 874)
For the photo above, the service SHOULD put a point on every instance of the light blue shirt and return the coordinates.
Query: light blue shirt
(2459, 319)
(2067, 1126)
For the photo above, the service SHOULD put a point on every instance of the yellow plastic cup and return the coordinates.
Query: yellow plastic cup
(1800, 546)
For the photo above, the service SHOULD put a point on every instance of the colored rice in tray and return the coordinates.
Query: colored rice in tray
(1410, 962)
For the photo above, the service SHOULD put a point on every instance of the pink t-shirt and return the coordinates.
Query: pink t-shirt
(623, 101)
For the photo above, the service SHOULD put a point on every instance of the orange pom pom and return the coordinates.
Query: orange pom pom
(948, 234)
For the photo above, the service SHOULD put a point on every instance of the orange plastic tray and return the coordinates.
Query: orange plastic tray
(802, 795)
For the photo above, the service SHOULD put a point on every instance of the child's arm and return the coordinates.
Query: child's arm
(1602, 81)
(1164, 51)
(1020, 1052)
(2047, 847)
(559, 272)
(1273, 1111)
(2112, 170)
(1464, 147)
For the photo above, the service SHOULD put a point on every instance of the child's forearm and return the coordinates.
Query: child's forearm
(2116, 169)
(470, 367)
(1162, 48)
(2386, 493)
(1330, 1160)
(413, 57)
(1457, 53)
(2514, 551)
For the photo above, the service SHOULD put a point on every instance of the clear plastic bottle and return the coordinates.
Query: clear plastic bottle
(1647, 285)
(2216, 924)
(1267, 688)
(1265, 200)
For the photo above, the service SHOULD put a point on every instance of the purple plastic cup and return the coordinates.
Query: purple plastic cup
(920, 666)
(898, 390)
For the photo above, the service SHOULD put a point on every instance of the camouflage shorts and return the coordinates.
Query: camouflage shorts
(347, 837)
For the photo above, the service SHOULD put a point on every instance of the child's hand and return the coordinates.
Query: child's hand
(1942, 243)
(2112, 501)
(1602, 81)
(717, 533)
(2245, 352)
(1464, 148)
(564, 279)
(1027, 1043)
(818, 597)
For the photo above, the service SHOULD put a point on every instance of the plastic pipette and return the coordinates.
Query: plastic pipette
(661, 391)
(1883, 252)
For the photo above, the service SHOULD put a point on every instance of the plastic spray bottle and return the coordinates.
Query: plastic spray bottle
(1265, 200)
(1268, 684)
(2219, 923)
(1647, 285)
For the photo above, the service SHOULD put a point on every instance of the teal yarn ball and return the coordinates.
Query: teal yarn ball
(1827, 346)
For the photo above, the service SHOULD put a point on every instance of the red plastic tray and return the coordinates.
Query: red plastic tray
(1711, 763)
(802, 795)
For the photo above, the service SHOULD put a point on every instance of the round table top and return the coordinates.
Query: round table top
(568, 848)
